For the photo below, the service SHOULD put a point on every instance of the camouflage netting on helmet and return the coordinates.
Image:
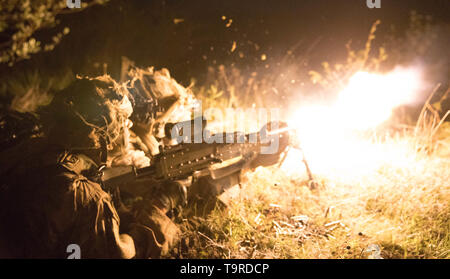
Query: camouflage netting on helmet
(88, 111)
(157, 96)
(95, 111)
(157, 99)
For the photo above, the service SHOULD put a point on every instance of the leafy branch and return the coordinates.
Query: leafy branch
(21, 19)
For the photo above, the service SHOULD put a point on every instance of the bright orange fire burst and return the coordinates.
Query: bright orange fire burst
(327, 133)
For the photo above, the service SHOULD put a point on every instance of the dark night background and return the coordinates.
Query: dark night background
(278, 43)
(145, 32)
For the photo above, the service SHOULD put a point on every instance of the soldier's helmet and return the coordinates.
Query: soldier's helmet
(157, 97)
(93, 112)
(89, 112)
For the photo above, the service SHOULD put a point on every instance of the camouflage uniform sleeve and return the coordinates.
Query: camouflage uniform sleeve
(152, 228)
(87, 214)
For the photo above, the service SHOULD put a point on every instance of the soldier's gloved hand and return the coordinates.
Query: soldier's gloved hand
(168, 195)
(154, 232)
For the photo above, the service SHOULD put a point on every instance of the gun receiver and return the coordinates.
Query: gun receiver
(238, 151)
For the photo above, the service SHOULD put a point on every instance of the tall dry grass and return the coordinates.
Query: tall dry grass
(399, 209)
(402, 207)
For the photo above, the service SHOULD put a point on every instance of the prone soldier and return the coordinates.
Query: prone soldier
(53, 193)
(50, 197)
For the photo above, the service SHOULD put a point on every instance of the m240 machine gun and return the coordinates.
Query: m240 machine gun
(217, 155)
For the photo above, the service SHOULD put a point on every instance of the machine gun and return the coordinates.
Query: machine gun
(216, 159)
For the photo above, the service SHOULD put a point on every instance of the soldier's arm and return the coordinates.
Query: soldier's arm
(81, 211)
(83, 214)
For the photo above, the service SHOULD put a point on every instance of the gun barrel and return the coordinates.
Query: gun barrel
(280, 130)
